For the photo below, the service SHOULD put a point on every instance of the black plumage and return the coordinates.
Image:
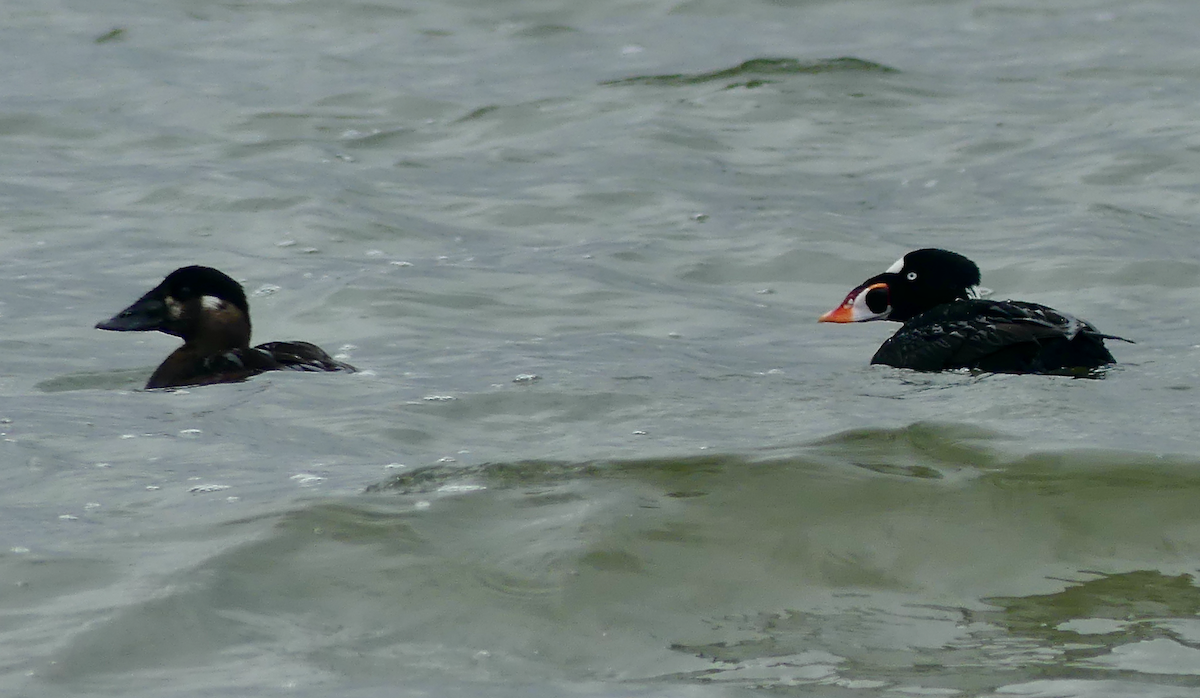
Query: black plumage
(931, 291)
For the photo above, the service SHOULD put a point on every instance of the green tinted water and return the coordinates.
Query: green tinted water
(599, 444)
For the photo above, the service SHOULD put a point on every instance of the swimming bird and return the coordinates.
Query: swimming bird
(946, 326)
(208, 311)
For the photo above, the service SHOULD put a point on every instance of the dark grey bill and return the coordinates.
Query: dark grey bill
(147, 314)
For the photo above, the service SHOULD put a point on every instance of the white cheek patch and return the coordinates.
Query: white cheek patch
(174, 308)
(212, 303)
(895, 268)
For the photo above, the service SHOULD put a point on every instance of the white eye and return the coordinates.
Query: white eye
(911, 276)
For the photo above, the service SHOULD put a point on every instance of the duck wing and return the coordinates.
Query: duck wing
(301, 356)
(999, 336)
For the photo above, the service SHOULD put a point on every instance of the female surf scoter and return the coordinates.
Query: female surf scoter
(935, 294)
(208, 311)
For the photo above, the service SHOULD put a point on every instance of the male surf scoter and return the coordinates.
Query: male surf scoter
(946, 326)
(208, 311)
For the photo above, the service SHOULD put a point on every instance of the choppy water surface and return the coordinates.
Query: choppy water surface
(599, 445)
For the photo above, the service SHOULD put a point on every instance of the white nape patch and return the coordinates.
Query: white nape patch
(979, 292)
(174, 308)
(895, 268)
(212, 303)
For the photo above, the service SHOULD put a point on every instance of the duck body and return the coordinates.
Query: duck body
(995, 336)
(208, 310)
(945, 327)
(187, 366)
